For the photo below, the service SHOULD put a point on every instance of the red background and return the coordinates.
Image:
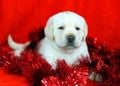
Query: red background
(19, 17)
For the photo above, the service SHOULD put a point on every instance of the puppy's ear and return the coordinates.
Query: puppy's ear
(49, 29)
(85, 31)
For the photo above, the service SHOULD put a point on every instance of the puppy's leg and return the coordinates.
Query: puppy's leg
(94, 76)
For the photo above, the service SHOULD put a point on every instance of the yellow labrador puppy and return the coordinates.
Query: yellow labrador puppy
(65, 39)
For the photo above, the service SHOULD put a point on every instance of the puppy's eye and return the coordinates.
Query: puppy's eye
(77, 28)
(61, 28)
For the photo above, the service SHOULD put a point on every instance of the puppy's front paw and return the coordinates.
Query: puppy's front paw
(95, 77)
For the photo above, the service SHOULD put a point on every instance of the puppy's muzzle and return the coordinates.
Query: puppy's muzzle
(70, 40)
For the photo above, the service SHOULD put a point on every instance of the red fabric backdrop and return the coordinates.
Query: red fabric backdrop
(19, 17)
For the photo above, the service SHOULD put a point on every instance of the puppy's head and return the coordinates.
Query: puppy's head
(67, 29)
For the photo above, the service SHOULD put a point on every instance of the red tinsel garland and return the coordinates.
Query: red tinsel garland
(39, 72)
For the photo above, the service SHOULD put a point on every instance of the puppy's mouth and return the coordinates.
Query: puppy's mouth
(70, 44)
(69, 47)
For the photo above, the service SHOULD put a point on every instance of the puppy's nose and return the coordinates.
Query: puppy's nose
(70, 38)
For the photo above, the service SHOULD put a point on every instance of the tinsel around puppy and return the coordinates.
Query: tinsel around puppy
(39, 73)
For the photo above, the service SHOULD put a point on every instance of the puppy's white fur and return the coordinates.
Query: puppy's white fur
(54, 46)
(52, 53)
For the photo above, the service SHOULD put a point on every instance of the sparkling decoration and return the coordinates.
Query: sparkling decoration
(39, 73)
